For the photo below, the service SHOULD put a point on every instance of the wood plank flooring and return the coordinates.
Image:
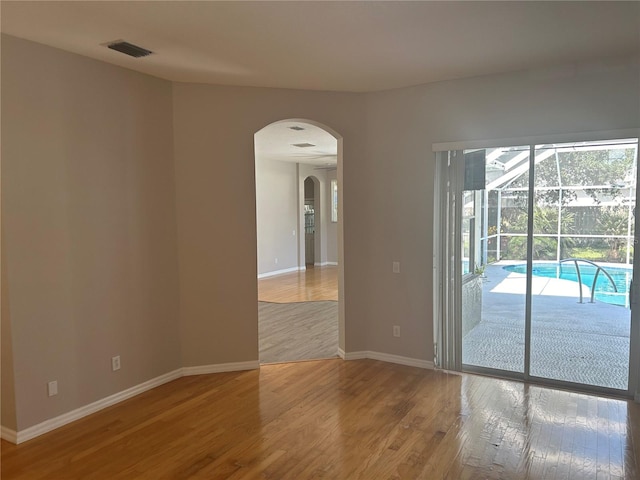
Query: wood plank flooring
(296, 318)
(290, 332)
(333, 419)
(313, 284)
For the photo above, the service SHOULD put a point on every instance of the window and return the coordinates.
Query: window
(334, 200)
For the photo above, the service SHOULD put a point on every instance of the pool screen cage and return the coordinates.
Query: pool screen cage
(584, 198)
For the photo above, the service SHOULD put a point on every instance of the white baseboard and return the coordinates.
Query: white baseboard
(78, 413)
(9, 435)
(56, 422)
(326, 264)
(280, 272)
(386, 357)
(220, 368)
(355, 355)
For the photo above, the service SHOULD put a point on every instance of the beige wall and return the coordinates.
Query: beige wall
(7, 390)
(276, 215)
(88, 219)
(394, 194)
(214, 128)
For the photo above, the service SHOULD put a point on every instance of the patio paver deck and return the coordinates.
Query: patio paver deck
(577, 342)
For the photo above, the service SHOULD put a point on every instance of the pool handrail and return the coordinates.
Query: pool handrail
(595, 277)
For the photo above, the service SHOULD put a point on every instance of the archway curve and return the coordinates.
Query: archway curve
(340, 224)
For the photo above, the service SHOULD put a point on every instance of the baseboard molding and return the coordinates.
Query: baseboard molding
(220, 368)
(355, 355)
(57, 422)
(78, 413)
(325, 264)
(386, 357)
(280, 272)
(8, 435)
(341, 354)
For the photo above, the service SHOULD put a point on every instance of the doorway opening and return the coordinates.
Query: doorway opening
(299, 241)
(311, 230)
(542, 242)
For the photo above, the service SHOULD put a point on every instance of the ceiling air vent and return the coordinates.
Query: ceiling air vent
(296, 128)
(303, 145)
(129, 49)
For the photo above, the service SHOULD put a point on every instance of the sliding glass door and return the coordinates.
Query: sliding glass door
(538, 262)
(583, 230)
(493, 299)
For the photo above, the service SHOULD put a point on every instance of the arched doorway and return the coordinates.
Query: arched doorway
(299, 241)
(313, 241)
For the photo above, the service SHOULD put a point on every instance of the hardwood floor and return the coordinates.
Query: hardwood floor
(333, 419)
(313, 284)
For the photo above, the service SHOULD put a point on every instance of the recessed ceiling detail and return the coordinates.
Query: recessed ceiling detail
(129, 49)
(279, 142)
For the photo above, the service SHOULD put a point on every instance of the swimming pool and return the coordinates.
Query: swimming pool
(567, 271)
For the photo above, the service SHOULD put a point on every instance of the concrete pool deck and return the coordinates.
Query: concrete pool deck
(571, 341)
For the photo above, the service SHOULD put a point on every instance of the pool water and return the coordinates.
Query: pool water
(604, 288)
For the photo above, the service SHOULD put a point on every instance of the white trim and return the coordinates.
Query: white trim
(78, 413)
(280, 272)
(389, 358)
(341, 353)
(220, 368)
(538, 139)
(56, 422)
(355, 355)
(8, 435)
(325, 264)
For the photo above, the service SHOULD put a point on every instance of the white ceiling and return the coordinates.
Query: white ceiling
(277, 142)
(342, 46)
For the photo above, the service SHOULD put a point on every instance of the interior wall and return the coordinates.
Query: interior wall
(394, 194)
(7, 390)
(88, 219)
(276, 215)
(214, 128)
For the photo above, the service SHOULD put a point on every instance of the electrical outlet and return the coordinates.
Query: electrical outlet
(396, 267)
(115, 363)
(276, 260)
(52, 388)
(396, 330)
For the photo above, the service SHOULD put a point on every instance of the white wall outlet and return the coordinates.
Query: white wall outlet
(396, 267)
(293, 233)
(115, 363)
(52, 388)
(396, 330)
(276, 260)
